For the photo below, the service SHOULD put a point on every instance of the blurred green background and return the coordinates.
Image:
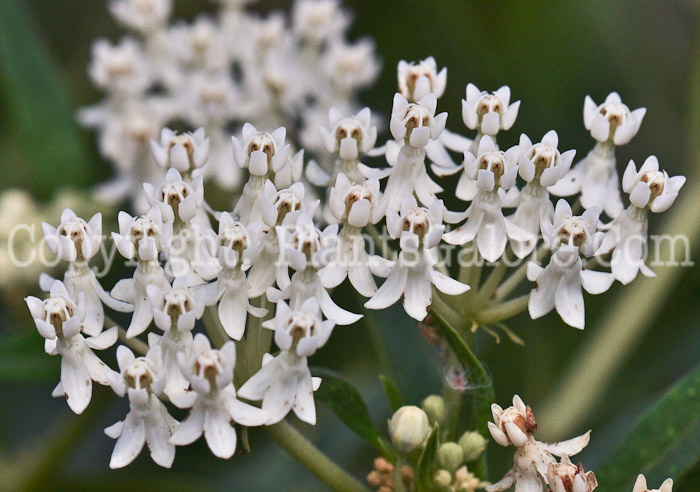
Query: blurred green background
(551, 53)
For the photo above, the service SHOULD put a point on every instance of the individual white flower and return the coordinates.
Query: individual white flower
(58, 319)
(215, 409)
(488, 112)
(612, 121)
(484, 177)
(533, 459)
(308, 249)
(414, 273)
(284, 382)
(414, 124)
(201, 45)
(76, 242)
(176, 199)
(356, 205)
(649, 190)
(348, 138)
(641, 485)
(236, 247)
(540, 165)
(280, 208)
(418, 79)
(185, 152)
(558, 285)
(120, 69)
(316, 21)
(148, 420)
(513, 425)
(567, 477)
(595, 177)
(263, 154)
(175, 311)
(142, 238)
(145, 16)
(350, 66)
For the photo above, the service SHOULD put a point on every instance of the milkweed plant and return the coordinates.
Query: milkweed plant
(224, 308)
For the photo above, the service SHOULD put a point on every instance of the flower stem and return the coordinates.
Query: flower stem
(503, 311)
(313, 459)
(398, 475)
(517, 276)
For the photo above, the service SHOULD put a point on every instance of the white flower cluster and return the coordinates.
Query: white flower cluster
(217, 71)
(277, 246)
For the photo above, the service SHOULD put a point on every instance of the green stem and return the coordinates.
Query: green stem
(378, 345)
(492, 281)
(141, 348)
(503, 311)
(517, 276)
(445, 310)
(313, 459)
(398, 475)
(214, 328)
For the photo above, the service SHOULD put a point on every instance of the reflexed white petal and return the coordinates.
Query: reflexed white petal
(130, 442)
(542, 294)
(417, 294)
(280, 397)
(503, 484)
(334, 312)
(391, 290)
(568, 300)
(243, 413)
(570, 447)
(304, 406)
(596, 282)
(447, 285)
(218, 432)
(232, 312)
(254, 389)
(189, 429)
(76, 382)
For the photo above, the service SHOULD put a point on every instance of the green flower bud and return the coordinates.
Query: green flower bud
(473, 444)
(450, 455)
(434, 407)
(442, 478)
(408, 428)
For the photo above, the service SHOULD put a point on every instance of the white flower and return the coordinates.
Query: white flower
(558, 285)
(215, 409)
(483, 179)
(308, 249)
(175, 311)
(513, 425)
(488, 112)
(533, 459)
(121, 68)
(201, 45)
(176, 199)
(148, 421)
(416, 123)
(316, 21)
(142, 238)
(595, 176)
(649, 190)
(264, 155)
(612, 120)
(417, 80)
(236, 248)
(566, 477)
(141, 15)
(350, 66)
(414, 273)
(356, 205)
(279, 208)
(184, 152)
(348, 137)
(76, 241)
(641, 485)
(540, 165)
(58, 319)
(284, 382)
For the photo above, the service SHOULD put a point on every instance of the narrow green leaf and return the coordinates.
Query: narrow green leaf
(345, 402)
(23, 360)
(663, 443)
(427, 458)
(392, 393)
